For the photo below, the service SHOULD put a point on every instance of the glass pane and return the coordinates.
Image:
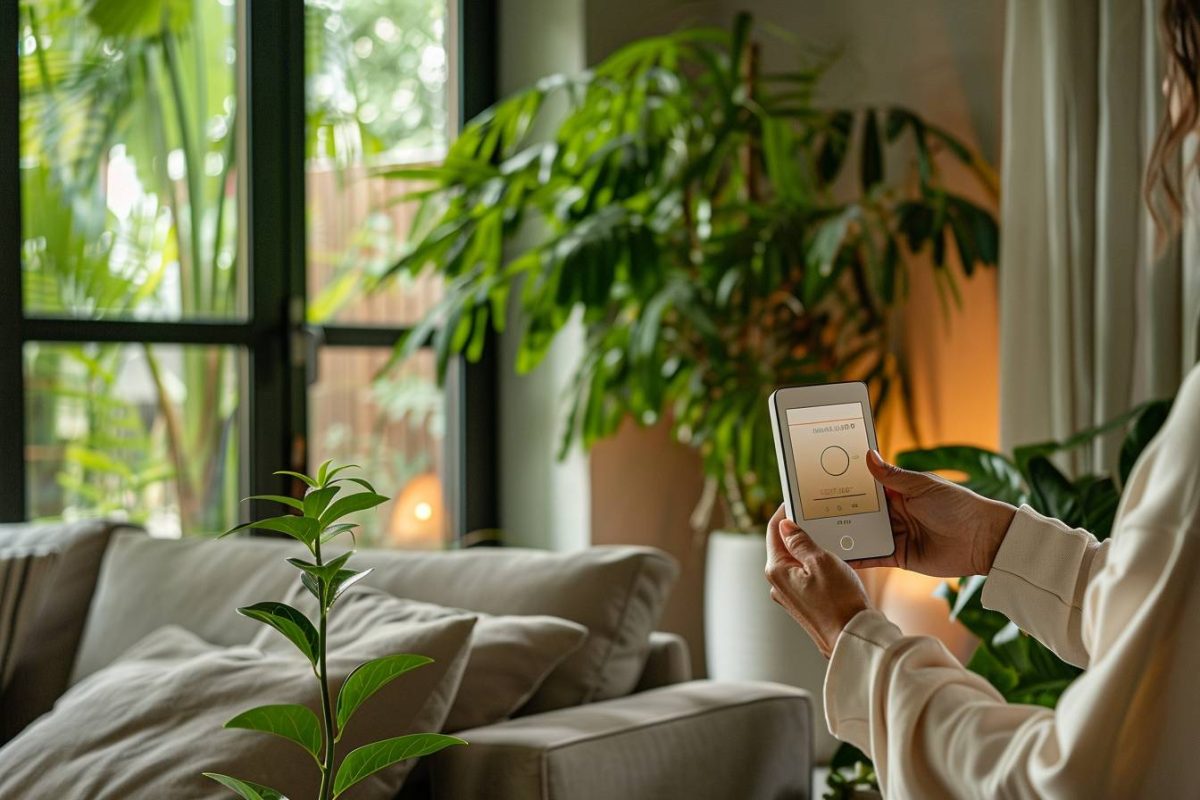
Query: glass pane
(138, 432)
(392, 425)
(377, 94)
(128, 159)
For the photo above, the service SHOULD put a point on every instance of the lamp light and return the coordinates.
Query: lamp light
(418, 518)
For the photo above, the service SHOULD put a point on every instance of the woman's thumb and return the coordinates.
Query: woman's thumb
(893, 477)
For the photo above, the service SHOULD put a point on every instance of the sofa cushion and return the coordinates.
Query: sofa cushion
(510, 655)
(149, 724)
(47, 576)
(617, 593)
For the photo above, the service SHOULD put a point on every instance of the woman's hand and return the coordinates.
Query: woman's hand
(817, 588)
(940, 528)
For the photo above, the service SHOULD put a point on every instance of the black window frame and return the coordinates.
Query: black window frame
(274, 334)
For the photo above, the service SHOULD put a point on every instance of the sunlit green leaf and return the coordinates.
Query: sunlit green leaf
(369, 759)
(368, 678)
(247, 790)
(294, 626)
(293, 722)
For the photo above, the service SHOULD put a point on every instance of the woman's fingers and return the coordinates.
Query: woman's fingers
(900, 481)
(797, 542)
(777, 553)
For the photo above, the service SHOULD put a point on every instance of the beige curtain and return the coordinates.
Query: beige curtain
(1090, 321)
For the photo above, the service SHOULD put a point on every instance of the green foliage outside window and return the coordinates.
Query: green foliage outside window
(128, 130)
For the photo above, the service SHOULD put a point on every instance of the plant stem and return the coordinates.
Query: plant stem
(323, 676)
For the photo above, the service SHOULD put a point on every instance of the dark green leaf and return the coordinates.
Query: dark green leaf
(1147, 425)
(833, 148)
(985, 662)
(293, 722)
(871, 165)
(1053, 494)
(294, 626)
(369, 759)
(368, 678)
(990, 474)
(248, 790)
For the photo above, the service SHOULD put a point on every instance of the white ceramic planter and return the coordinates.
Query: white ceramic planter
(749, 637)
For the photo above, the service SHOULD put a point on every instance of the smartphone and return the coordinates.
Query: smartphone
(822, 435)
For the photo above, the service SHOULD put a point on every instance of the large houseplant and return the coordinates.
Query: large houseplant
(712, 227)
(1021, 668)
(719, 236)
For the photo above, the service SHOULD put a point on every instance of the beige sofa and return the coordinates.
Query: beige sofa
(645, 730)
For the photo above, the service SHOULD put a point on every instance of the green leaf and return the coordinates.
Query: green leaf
(349, 505)
(298, 476)
(278, 498)
(985, 662)
(138, 20)
(294, 626)
(322, 471)
(293, 722)
(1053, 494)
(360, 481)
(248, 790)
(324, 571)
(302, 529)
(871, 166)
(833, 148)
(317, 500)
(1149, 421)
(369, 759)
(990, 474)
(333, 531)
(368, 678)
(344, 580)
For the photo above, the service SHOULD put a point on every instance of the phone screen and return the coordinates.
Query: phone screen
(829, 451)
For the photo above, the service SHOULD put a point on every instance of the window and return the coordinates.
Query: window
(184, 307)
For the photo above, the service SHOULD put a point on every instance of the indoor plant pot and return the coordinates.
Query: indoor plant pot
(751, 638)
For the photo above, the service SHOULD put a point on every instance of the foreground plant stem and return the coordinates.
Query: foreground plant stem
(326, 790)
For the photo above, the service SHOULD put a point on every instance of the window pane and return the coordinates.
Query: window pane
(377, 94)
(138, 432)
(128, 159)
(393, 427)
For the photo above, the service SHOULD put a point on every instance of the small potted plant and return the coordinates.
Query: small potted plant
(319, 521)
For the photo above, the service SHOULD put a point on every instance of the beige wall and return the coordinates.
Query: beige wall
(940, 57)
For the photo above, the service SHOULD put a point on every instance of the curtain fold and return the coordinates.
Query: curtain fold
(1092, 321)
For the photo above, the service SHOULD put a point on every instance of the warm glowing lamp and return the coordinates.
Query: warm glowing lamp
(418, 517)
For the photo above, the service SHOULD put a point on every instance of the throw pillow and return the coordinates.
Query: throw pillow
(510, 655)
(149, 724)
(48, 573)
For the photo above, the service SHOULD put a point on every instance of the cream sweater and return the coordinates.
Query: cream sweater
(1128, 610)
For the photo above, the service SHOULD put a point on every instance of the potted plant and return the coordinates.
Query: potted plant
(718, 236)
(318, 523)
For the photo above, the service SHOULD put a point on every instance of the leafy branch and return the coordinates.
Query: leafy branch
(717, 234)
(318, 523)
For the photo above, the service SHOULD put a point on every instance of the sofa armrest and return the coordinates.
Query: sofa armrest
(669, 661)
(702, 739)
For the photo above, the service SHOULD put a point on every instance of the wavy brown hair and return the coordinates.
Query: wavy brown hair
(1179, 29)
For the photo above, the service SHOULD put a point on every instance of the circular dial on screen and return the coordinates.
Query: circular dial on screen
(835, 461)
